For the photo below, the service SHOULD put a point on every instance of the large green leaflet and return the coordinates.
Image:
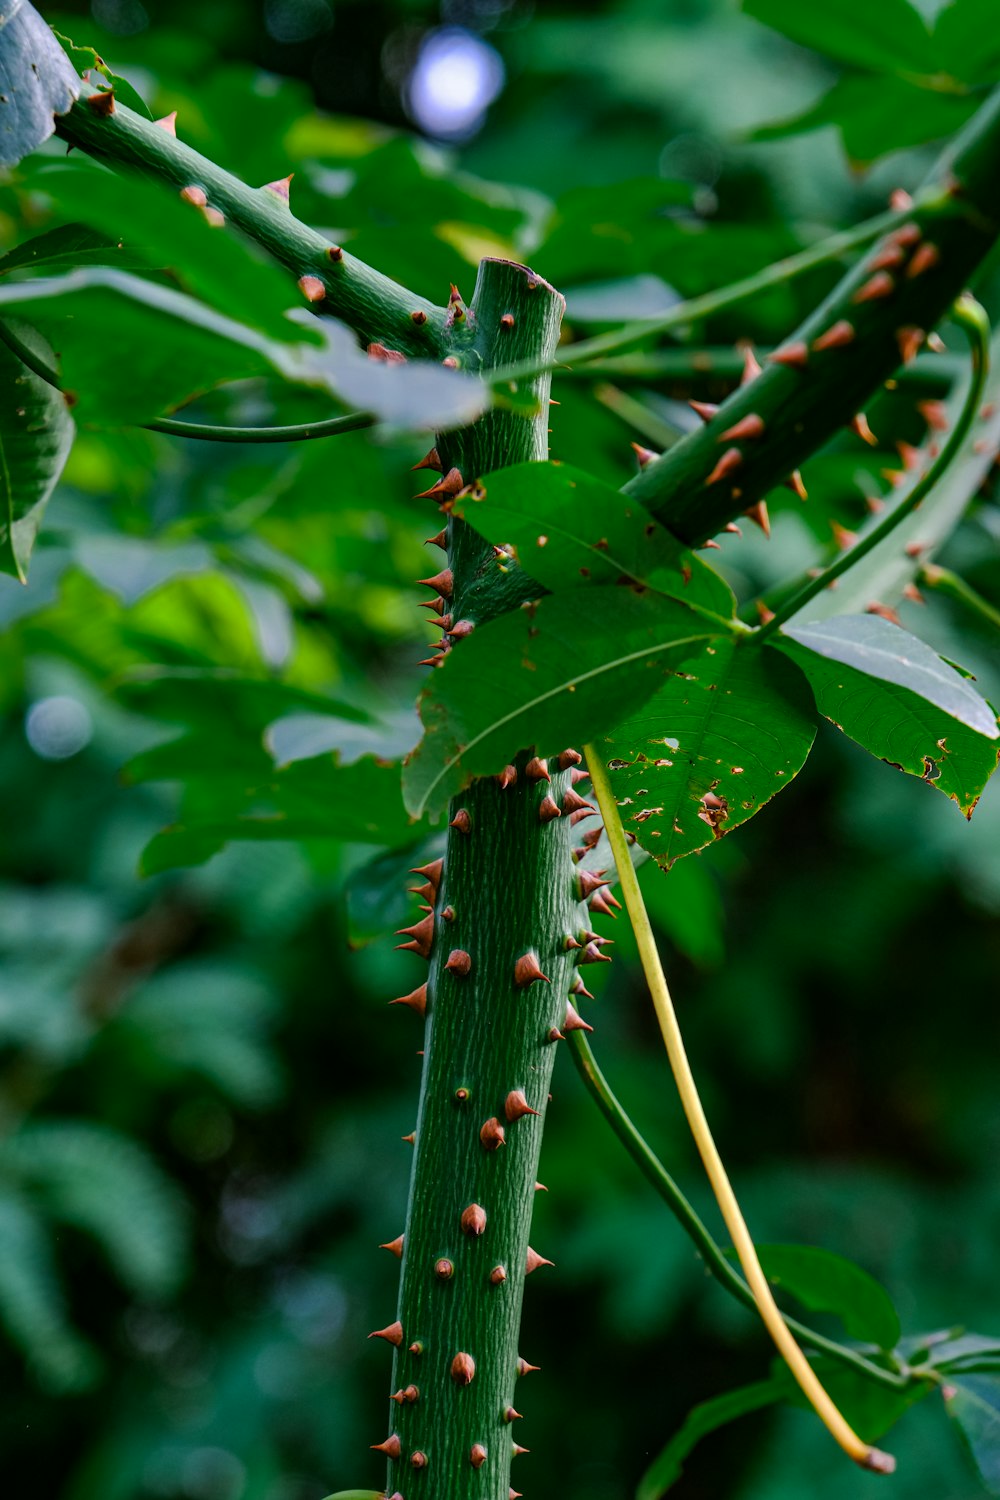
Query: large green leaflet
(36, 434)
(568, 529)
(719, 739)
(37, 81)
(825, 1282)
(895, 696)
(973, 1403)
(547, 675)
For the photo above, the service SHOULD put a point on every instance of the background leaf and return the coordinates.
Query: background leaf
(36, 435)
(37, 81)
(973, 1403)
(825, 1282)
(705, 1418)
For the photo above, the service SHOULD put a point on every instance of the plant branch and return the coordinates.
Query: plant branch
(945, 582)
(971, 316)
(862, 1453)
(686, 1215)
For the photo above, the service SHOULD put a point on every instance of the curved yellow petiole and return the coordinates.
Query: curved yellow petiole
(803, 1372)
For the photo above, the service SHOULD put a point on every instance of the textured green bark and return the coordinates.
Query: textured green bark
(509, 889)
(872, 327)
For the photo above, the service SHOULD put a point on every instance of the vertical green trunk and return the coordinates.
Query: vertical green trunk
(504, 905)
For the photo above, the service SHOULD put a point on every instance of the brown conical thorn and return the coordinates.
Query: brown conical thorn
(461, 629)
(935, 414)
(570, 942)
(554, 1035)
(416, 1347)
(498, 1276)
(745, 430)
(431, 871)
(451, 363)
(751, 366)
(587, 882)
(533, 1260)
(579, 815)
(909, 339)
(436, 606)
(572, 802)
(418, 316)
(593, 955)
(385, 355)
(448, 914)
(506, 777)
(408, 1396)
(900, 200)
(875, 608)
(391, 1447)
(877, 286)
(579, 988)
(421, 936)
(537, 769)
(593, 837)
(418, 1460)
(510, 1415)
(477, 1455)
(523, 1368)
(473, 1220)
(454, 295)
(645, 456)
(764, 615)
(430, 460)
(513, 1494)
(888, 258)
(312, 289)
(194, 194)
(548, 809)
(168, 123)
(911, 456)
(444, 1269)
(838, 336)
(442, 583)
(395, 1246)
(924, 258)
(416, 1000)
(281, 189)
(439, 540)
(527, 970)
(516, 1106)
(446, 488)
(911, 592)
(731, 526)
(462, 821)
(844, 538)
(759, 516)
(574, 1021)
(873, 504)
(507, 321)
(710, 545)
(463, 1369)
(394, 1496)
(540, 1187)
(101, 103)
(334, 254)
(492, 1134)
(213, 217)
(519, 1452)
(577, 775)
(795, 484)
(730, 460)
(393, 1334)
(600, 903)
(410, 1139)
(705, 409)
(431, 661)
(568, 758)
(794, 355)
(458, 962)
(859, 424)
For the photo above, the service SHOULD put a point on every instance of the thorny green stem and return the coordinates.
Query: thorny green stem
(971, 316)
(929, 374)
(685, 1214)
(945, 582)
(573, 356)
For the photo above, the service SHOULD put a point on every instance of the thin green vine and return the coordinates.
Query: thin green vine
(944, 581)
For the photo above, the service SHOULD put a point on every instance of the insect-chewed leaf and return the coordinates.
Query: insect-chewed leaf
(571, 666)
(721, 736)
(896, 697)
(36, 434)
(39, 82)
(569, 529)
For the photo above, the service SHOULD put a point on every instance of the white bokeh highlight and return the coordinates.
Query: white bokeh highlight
(455, 79)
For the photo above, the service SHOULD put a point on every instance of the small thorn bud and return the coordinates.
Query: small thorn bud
(395, 1246)
(410, 1139)
(393, 1334)
(463, 1369)
(418, 316)
(409, 1396)
(416, 1000)
(477, 1455)
(795, 484)
(195, 195)
(732, 527)
(579, 988)
(554, 1035)
(645, 456)
(311, 288)
(510, 1415)
(764, 615)
(935, 414)
(334, 254)
(925, 257)
(548, 809)
(391, 1447)
(534, 1260)
(281, 188)
(836, 337)
(909, 340)
(593, 955)
(451, 363)
(574, 1021)
(730, 460)
(444, 1270)
(492, 1134)
(875, 608)
(587, 883)
(795, 355)
(745, 430)
(844, 538)
(421, 936)
(461, 629)
(523, 1368)
(430, 460)
(168, 123)
(705, 409)
(527, 970)
(473, 1220)
(601, 902)
(537, 769)
(442, 583)
(458, 962)
(911, 456)
(418, 1460)
(102, 103)
(911, 592)
(859, 424)
(507, 321)
(507, 777)
(900, 200)
(569, 758)
(877, 286)
(387, 356)
(519, 1451)
(498, 1276)
(462, 821)
(446, 488)
(759, 516)
(516, 1105)
(751, 367)
(577, 775)
(572, 802)
(431, 871)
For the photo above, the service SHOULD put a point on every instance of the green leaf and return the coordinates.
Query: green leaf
(973, 1403)
(86, 60)
(897, 698)
(870, 1409)
(723, 726)
(36, 435)
(966, 42)
(32, 1306)
(569, 529)
(825, 1282)
(38, 81)
(566, 669)
(874, 120)
(707, 1417)
(889, 37)
(69, 245)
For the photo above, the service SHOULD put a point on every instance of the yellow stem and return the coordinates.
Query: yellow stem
(803, 1372)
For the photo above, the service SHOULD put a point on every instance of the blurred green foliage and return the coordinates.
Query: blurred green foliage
(201, 1090)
